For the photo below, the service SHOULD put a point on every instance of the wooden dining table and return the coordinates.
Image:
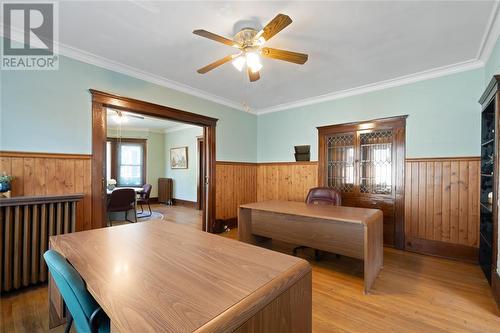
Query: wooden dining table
(137, 190)
(158, 276)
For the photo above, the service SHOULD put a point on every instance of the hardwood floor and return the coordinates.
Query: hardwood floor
(414, 293)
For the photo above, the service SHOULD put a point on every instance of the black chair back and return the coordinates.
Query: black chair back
(121, 199)
(146, 191)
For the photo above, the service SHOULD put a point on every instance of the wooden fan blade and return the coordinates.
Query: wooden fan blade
(253, 76)
(277, 24)
(215, 64)
(217, 38)
(296, 58)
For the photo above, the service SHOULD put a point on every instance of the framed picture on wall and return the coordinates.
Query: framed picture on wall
(179, 158)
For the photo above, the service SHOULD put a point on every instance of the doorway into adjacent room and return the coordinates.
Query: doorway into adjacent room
(161, 161)
(122, 157)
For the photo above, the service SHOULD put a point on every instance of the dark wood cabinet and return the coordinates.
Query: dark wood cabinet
(365, 162)
(488, 225)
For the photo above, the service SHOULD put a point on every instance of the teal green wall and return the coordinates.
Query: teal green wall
(492, 66)
(184, 180)
(49, 111)
(443, 118)
(155, 145)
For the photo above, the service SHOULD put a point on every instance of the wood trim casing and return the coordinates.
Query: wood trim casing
(151, 109)
(235, 163)
(434, 159)
(115, 157)
(5, 153)
(40, 199)
(443, 250)
(102, 100)
(387, 122)
(289, 163)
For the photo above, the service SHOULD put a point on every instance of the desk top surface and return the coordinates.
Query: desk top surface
(325, 212)
(159, 276)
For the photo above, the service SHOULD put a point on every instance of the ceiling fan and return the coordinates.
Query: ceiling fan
(250, 43)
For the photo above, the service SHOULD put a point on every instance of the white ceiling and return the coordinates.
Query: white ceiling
(350, 44)
(147, 124)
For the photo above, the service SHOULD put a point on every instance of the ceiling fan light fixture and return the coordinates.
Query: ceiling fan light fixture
(253, 62)
(239, 63)
(251, 44)
(120, 119)
(260, 41)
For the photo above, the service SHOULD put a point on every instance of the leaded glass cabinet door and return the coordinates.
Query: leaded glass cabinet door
(365, 162)
(341, 165)
(375, 162)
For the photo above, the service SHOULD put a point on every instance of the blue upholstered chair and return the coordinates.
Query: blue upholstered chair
(82, 307)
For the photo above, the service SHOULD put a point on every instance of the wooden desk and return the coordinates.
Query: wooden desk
(353, 232)
(157, 276)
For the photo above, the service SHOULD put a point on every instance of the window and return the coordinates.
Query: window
(126, 161)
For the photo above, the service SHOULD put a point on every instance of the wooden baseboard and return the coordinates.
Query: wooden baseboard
(495, 287)
(185, 203)
(443, 250)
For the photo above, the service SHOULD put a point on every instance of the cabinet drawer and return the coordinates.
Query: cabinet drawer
(386, 206)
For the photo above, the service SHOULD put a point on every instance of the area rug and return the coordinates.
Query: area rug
(154, 216)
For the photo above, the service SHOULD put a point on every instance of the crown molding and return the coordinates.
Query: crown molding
(491, 34)
(490, 37)
(178, 128)
(115, 66)
(381, 85)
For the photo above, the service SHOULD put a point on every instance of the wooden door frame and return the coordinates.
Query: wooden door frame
(200, 145)
(102, 100)
(397, 123)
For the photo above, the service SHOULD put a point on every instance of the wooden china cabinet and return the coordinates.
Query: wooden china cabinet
(365, 162)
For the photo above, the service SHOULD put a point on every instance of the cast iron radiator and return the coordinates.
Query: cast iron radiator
(25, 226)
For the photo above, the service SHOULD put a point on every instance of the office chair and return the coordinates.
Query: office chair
(82, 309)
(321, 196)
(143, 199)
(122, 200)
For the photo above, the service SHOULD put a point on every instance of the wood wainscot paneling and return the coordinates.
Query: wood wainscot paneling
(47, 174)
(240, 183)
(442, 206)
(441, 200)
(235, 185)
(286, 181)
